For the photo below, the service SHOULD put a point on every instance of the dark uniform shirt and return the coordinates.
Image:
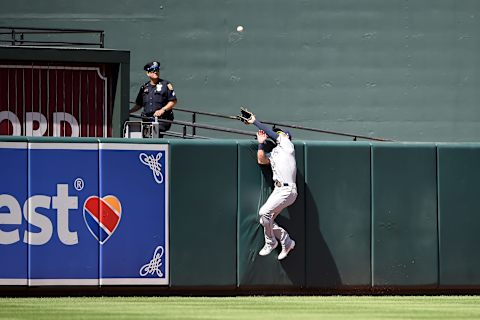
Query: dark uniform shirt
(155, 97)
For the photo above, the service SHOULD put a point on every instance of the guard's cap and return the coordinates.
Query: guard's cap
(277, 130)
(152, 66)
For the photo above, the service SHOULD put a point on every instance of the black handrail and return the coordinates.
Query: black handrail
(194, 114)
(354, 136)
(17, 36)
(197, 125)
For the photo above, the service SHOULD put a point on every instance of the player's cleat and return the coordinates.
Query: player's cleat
(286, 250)
(268, 248)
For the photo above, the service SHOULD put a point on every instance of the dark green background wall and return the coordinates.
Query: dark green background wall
(401, 69)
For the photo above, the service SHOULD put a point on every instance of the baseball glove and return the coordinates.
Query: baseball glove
(244, 115)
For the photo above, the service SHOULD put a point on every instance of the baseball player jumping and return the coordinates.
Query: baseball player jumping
(284, 167)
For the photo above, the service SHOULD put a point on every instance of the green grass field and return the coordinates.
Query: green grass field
(254, 307)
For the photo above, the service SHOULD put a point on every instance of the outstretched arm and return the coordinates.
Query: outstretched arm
(264, 128)
(261, 156)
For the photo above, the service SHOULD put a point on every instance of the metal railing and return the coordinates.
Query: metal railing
(355, 137)
(185, 135)
(41, 37)
(194, 125)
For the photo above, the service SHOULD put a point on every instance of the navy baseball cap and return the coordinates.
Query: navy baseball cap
(277, 129)
(152, 66)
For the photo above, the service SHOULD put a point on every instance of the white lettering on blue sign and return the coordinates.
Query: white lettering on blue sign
(61, 202)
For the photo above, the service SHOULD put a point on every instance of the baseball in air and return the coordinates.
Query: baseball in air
(240, 28)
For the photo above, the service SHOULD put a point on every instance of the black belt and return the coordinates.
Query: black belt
(280, 184)
(168, 115)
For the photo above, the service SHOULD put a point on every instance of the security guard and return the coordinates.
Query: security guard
(156, 97)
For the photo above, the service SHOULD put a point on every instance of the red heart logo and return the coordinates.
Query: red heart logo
(102, 216)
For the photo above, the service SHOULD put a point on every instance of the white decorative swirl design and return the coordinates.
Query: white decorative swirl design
(154, 265)
(153, 163)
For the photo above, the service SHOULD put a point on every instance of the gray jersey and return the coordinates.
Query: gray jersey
(282, 160)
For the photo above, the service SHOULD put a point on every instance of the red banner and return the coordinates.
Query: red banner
(59, 101)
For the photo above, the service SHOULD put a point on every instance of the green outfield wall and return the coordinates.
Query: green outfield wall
(368, 216)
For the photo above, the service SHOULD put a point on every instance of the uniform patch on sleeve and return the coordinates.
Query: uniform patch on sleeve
(169, 86)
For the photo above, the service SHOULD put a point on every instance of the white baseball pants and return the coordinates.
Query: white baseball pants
(279, 199)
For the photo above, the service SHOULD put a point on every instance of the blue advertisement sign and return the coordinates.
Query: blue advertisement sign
(135, 245)
(13, 193)
(86, 214)
(61, 177)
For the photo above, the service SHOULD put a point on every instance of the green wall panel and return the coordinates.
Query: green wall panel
(459, 218)
(404, 203)
(203, 206)
(337, 214)
(253, 191)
